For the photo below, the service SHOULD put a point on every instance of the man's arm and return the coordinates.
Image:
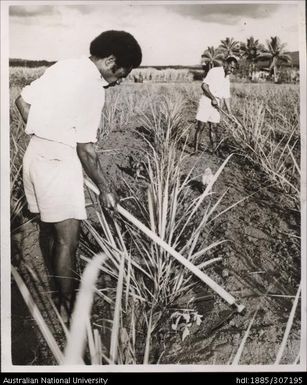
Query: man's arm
(207, 92)
(93, 168)
(23, 108)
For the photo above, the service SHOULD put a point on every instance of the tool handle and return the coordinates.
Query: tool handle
(194, 269)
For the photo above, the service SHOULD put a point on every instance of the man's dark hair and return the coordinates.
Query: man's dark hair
(231, 59)
(121, 44)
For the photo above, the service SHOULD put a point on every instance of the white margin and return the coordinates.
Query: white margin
(6, 364)
(5, 195)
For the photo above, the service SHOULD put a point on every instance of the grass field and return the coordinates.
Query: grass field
(243, 230)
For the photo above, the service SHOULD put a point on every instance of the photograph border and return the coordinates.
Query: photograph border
(5, 210)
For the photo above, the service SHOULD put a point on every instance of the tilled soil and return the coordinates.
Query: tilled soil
(260, 266)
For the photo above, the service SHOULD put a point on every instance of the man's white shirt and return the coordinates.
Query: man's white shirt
(66, 102)
(218, 83)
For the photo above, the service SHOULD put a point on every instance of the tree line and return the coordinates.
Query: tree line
(30, 63)
(252, 56)
(249, 55)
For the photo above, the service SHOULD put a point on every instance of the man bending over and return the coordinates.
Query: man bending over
(62, 111)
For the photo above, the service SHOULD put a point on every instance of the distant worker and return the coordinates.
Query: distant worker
(62, 110)
(216, 88)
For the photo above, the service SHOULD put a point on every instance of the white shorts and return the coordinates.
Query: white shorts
(53, 181)
(206, 112)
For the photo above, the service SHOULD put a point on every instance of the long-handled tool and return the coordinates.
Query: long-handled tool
(231, 117)
(202, 276)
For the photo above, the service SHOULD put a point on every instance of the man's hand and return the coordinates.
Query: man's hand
(108, 200)
(214, 103)
(93, 168)
(206, 89)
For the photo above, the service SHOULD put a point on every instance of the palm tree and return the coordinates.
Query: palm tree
(229, 47)
(212, 57)
(251, 51)
(275, 53)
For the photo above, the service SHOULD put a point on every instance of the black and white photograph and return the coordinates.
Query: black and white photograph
(175, 239)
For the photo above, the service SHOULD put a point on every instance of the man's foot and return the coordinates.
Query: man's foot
(63, 308)
(217, 151)
(200, 149)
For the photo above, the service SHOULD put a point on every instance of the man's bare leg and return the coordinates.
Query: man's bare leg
(211, 135)
(214, 136)
(198, 130)
(66, 239)
(46, 242)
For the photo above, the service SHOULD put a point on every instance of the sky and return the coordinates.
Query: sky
(170, 33)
